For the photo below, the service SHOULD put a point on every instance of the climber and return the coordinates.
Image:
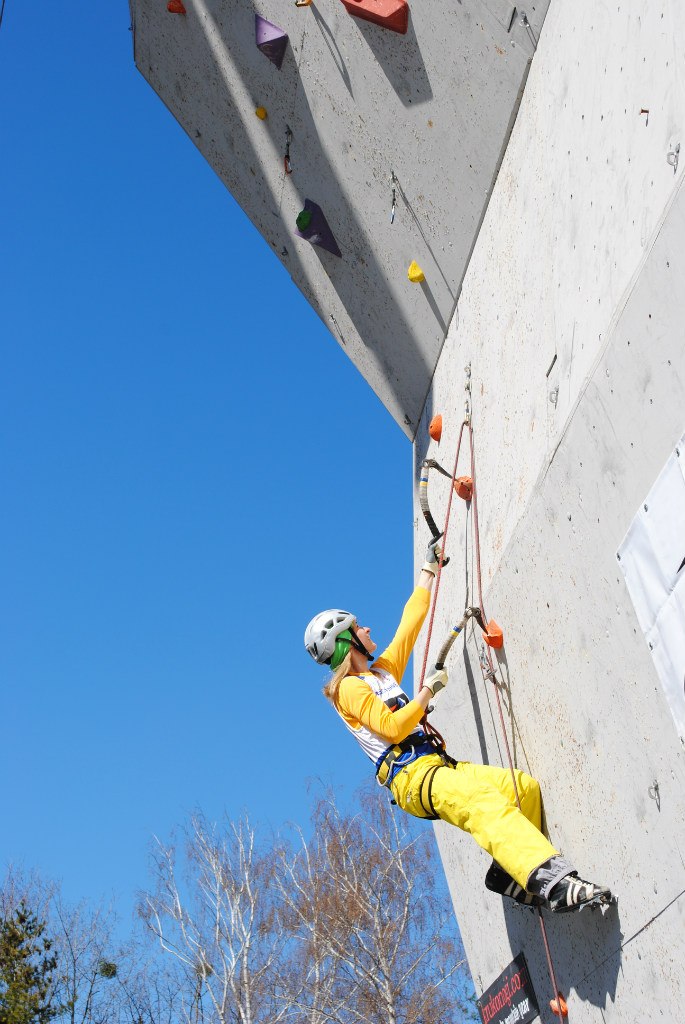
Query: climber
(423, 779)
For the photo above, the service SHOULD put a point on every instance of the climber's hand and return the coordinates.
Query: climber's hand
(436, 680)
(433, 555)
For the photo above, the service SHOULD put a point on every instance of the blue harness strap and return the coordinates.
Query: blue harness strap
(398, 756)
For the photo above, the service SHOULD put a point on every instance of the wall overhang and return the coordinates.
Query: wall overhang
(434, 107)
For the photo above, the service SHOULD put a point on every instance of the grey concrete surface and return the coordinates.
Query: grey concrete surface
(581, 258)
(435, 107)
(570, 310)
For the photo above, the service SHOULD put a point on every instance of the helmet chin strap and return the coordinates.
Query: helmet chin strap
(359, 646)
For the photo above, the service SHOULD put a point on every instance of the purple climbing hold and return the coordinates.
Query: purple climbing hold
(313, 226)
(270, 39)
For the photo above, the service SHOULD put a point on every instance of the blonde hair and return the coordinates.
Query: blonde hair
(330, 690)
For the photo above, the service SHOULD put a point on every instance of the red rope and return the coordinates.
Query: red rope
(476, 534)
(442, 550)
(476, 539)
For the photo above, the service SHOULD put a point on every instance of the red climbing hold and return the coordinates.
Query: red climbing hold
(463, 485)
(493, 635)
(392, 14)
(558, 1006)
(175, 7)
(435, 428)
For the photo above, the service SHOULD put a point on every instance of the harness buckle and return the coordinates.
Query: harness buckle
(394, 759)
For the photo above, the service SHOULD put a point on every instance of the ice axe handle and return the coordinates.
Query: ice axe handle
(427, 465)
(454, 633)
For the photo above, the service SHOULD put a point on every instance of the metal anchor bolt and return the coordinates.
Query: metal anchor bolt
(673, 157)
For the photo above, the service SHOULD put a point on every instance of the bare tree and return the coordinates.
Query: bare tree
(98, 979)
(220, 923)
(310, 983)
(89, 962)
(375, 941)
(29, 888)
(149, 991)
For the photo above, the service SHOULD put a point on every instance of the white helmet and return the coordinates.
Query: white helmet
(322, 632)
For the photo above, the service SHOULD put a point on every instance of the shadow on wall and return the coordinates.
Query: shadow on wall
(475, 704)
(422, 440)
(314, 178)
(360, 252)
(419, 227)
(334, 49)
(586, 947)
(401, 61)
(518, 751)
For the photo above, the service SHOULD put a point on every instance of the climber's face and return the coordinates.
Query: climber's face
(364, 634)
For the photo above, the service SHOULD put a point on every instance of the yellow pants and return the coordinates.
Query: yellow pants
(480, 800)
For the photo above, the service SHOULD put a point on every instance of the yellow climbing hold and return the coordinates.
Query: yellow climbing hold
(261, 113)
(415, 274)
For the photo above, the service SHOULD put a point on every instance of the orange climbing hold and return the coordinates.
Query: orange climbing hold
(558, 1006)
(463, 485)
(175, 7)
(493, 635)
(435, 428)
(392, 14)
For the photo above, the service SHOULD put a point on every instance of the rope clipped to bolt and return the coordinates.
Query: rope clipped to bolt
(476, 612)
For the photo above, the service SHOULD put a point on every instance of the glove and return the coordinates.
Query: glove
(433, 552)
(436, 680)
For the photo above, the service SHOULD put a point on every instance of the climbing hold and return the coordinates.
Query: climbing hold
(304, 219)
(558, 1006)
(463, 485)
(415, 274)
(302, 3)
(435, 428)
(175, 7)
(392, 14)
(270, 39)
(261, 113)
(493, 634)
(313, 226)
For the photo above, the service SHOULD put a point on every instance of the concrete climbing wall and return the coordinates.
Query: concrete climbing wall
(434, 106)
(571, 315)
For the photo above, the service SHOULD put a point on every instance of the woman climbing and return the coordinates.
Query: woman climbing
(423, 779)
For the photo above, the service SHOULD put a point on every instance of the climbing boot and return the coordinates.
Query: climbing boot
(572, 893)
(497, 880)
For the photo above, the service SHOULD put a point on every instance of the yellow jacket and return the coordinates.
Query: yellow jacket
(372, 704)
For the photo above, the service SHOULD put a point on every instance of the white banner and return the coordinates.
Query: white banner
(652, 557)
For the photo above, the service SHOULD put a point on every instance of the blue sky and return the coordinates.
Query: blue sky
(190, 469)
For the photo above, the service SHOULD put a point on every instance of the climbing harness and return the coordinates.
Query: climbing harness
(492, 634)
(401, 754)
(404, 753)
(286, 159)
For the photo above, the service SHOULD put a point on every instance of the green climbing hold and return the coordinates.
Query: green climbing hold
(304, 219)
